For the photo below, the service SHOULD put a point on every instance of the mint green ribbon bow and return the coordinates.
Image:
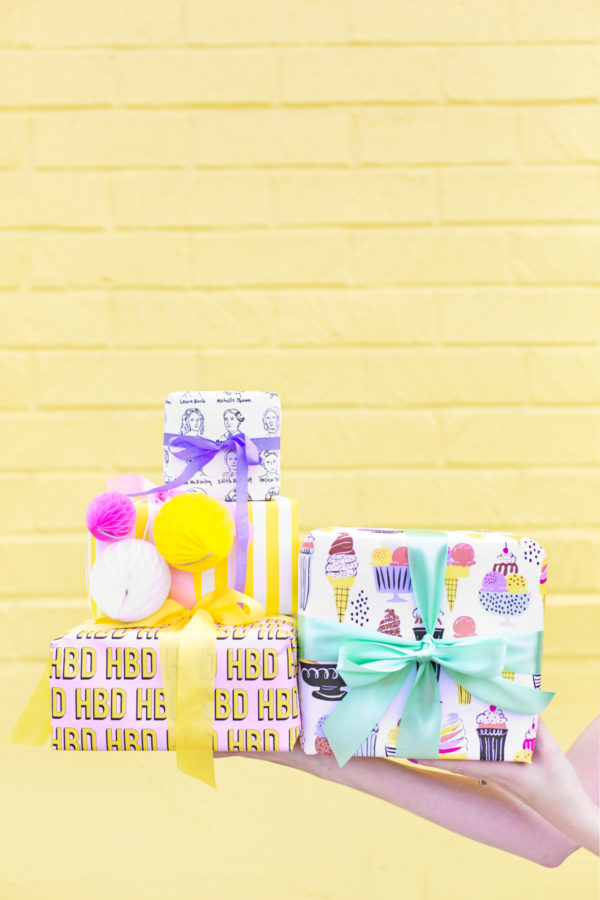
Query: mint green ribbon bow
(375, 666)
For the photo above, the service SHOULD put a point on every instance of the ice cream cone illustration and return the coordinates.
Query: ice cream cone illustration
(460, 558)
(510, 676)
(543, 579)
(464, 627)
(341, 569)
(453, 738)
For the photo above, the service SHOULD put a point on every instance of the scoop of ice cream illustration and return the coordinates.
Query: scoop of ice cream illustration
(391, 572)
(463, 627)
(304, 561)
(391, 740)
(453, 738)
(390, 624)
(321, 742)
(460, 559)
(524, 756)
(341, 569)
(492, 727)
(504, 590)
(543, 579)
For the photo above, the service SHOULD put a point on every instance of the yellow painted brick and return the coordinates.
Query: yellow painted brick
(137, 438)
(55, 442)
(359, 74)
(190, 199)
(522, 73)
(561, 20)
(17, 389)
(27, 626)
(524, 195)
(17, 503)
(293, 318)
(108, 140)
(521, 437)
(443, 377)
(102, 260)
(14, 254)
(70, 23)
(276, 258)
(354, 197)
(287, 21)
(52, 200)
(359, 438)
(12, 23)
(33, 566)
(544, 495)
(430, 256)
(561, 134)
(59, 501)
(13, 141)
(92, 378)
(39, 320)
(271, 137)
(400, 21)
(439, 135)
(50, 78)
(179, 77)
(565, 376)
(558, 636)
(343, 489)
(522, 315)
(556, 255)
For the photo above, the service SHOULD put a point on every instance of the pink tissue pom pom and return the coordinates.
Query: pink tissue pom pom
(110, 516)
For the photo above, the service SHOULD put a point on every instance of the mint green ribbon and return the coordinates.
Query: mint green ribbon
(375, 666)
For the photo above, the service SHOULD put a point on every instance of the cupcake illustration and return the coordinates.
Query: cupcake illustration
(491, 728)
(420, 631)
(392, 575)
(367, 748)
(460, 558)
(391, 740)
(304, 560)
(321, 743)
(543, 579)
(504, 591)
(462, 627)
(537, 681)
(390, 624)
(453, 738)
(530, 736)
(341, 569)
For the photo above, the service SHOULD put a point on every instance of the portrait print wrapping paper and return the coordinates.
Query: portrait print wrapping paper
(494, 583)
(219, 415)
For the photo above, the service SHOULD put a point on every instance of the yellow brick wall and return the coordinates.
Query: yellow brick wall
(387, 211)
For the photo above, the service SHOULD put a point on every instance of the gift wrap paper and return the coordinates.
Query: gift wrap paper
(272, 561)
(219, 415)
(495, 583)
(107, 693)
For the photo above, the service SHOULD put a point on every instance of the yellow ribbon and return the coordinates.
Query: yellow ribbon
(187, 651)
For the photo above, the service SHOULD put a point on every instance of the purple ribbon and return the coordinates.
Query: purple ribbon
(197, 452)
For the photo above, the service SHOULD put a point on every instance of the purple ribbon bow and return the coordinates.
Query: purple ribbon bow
(197, 452)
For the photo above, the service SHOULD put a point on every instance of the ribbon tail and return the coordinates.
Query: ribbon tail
(419, 730)
(33, 725)
(241, 510)
(358, 713)
(518, 698)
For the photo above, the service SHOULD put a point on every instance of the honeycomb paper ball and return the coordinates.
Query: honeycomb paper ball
(190, 527)
(130, 580)
(110, 516)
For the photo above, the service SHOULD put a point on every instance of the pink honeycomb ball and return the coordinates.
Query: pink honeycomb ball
(111, 516)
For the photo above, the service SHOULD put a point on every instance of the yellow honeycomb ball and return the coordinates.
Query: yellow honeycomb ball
(191, 527)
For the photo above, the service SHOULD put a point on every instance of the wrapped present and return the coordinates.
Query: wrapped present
(420, 644)
(108, 691)
(209, 435)
(271, 558)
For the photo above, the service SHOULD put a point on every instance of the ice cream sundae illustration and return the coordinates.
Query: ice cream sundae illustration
(341, 569)
(460, 558)
(392, 575)
(453, 738)
(306, 553)
(504, 591)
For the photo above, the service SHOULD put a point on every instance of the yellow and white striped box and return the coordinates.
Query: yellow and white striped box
(272, 566)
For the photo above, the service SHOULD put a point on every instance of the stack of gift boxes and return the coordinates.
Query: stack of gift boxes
(411, 643)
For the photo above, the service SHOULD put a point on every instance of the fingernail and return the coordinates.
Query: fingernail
(414, 761)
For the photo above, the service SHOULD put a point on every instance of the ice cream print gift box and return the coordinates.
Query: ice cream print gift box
(422, 644)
